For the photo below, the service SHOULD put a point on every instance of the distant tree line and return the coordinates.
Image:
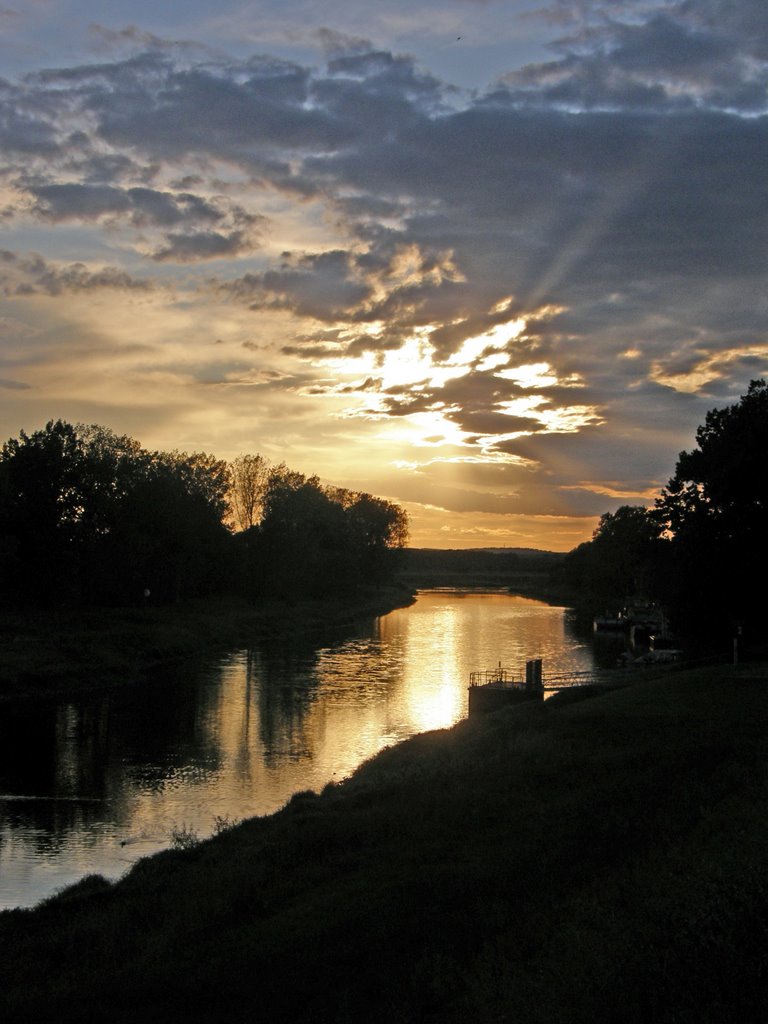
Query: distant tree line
(89, 517)
(701, 549)
(493, 561)
(525, 570)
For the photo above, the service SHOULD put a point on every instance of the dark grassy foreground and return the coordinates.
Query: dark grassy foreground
(64, 650)
(600, 859)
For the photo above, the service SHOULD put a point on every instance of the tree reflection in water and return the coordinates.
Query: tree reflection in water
(91, 784)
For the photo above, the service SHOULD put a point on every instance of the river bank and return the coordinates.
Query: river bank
(46, 653)
(576, 860)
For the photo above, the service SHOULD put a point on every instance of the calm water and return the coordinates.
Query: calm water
(92, 784)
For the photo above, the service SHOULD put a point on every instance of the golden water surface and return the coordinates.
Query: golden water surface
(91, 785)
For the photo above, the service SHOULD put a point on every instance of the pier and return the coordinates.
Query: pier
(496, 688)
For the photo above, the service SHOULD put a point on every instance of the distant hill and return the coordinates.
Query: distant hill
(517, 568)
(482, 556)
(534, 552)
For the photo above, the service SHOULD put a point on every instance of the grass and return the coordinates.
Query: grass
(601, 859)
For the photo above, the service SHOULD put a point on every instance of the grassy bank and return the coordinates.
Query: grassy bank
(63, 650)
(579, 860)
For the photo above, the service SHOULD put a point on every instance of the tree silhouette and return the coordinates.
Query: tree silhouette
(42, 503)
(623, 559)
(249, 478)
(715, 509)
(89, 517)
(315, 541)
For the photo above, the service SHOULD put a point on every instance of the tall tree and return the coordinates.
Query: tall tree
(715, 508)
(725, 478)
(248, 481)
(624, 558)
(378, 528)
(304, 537)
(316, 541)
(88, 516)
(171, 539)
(41, 506)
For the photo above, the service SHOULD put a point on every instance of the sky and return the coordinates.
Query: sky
(491, 260)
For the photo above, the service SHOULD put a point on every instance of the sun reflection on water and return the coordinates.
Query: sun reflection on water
(113, 775)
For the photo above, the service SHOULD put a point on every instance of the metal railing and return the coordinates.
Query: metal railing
(501, 677)
(508, 678)
(495, 677)
(565, 679)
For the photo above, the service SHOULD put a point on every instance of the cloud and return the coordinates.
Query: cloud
(21, 133)
(140, 205)
(194, 246)
(387, 282)
(108, 40)
(33, 275)
(150, 210)
(336, 45)
(656, 55)
(551, 277)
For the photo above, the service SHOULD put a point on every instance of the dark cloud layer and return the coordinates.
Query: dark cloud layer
(33, 275)
(207, 228)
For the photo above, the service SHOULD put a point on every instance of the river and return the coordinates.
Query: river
(92, 783)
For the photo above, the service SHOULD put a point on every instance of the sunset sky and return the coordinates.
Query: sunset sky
(491, 260)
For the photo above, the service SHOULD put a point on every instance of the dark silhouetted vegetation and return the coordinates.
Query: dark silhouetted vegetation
(715, 511)
(89, 519)
(582, 861)
(702, 546)
(525, 569)
(625, 556)
(313, 541)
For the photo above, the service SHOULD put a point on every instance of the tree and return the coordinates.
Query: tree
(90, 517)
(715, 509)
(622, 559)
(318, 541)
(378, 529)
(249, 478)
(724, 479)
(87, 516)
(41, 505)
(171, 538)
(303, 543)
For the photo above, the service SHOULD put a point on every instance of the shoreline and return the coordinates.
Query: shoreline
(47, 654)
(50, 653)
(489, 871)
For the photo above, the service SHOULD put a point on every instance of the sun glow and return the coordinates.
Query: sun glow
(562, 420)
(400, 387)
(415, 361)
(412, 364)
(537, 375)
(431, 429)
(496, 338)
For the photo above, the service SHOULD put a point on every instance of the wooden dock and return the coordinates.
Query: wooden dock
(497, 688)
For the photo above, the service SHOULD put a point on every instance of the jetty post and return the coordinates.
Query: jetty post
(533, 677)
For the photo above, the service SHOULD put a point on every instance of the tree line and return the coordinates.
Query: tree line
(89, 517)
(701, 549)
